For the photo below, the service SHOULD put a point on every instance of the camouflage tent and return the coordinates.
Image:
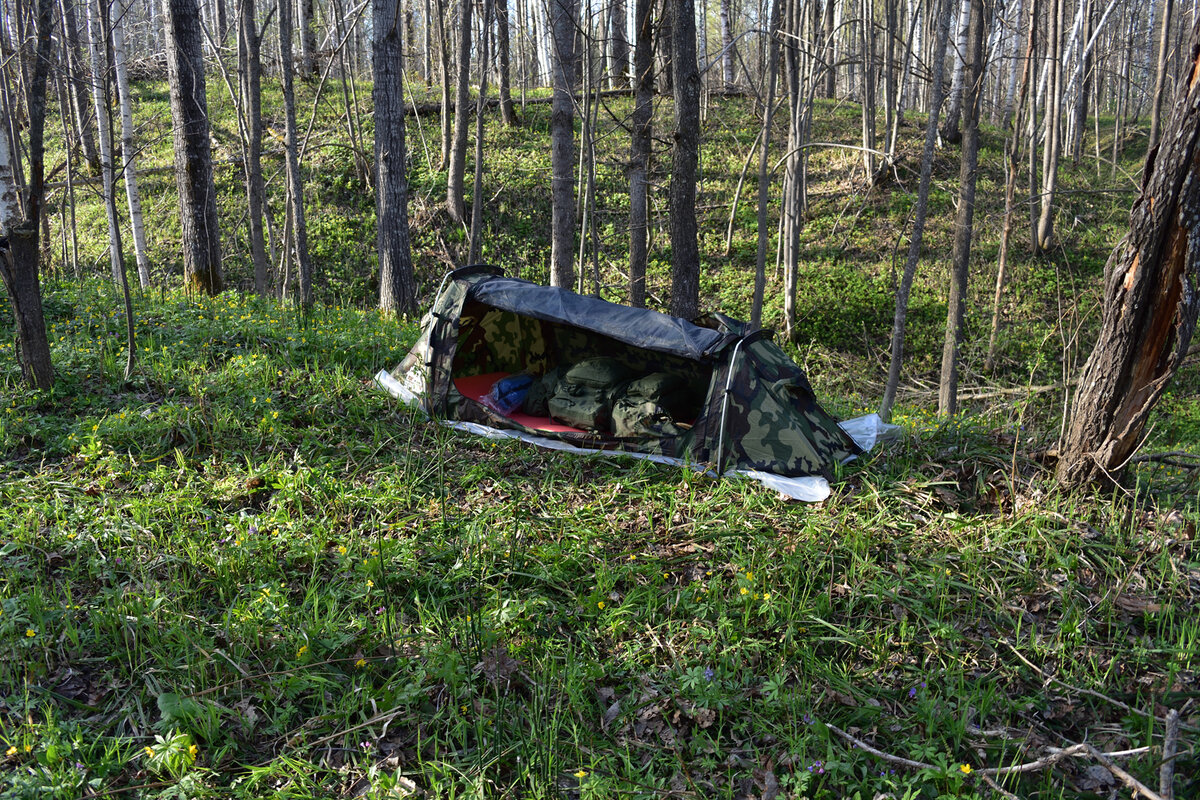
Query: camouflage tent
(753, 407)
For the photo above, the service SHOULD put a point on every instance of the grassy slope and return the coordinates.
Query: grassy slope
(248, 551)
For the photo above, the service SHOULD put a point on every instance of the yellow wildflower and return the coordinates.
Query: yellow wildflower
(194, 751)
(149, 751)
(362, 662)
(600, 605)
(30, 632)
(965, 769)
(303, 649)
(744, 590)
(581, 774)
(12, 751)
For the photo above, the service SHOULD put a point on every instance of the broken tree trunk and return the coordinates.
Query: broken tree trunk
(1151, 300)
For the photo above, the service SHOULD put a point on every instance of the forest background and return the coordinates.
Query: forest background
(232, 567)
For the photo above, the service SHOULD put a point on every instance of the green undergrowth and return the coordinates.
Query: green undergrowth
(246, 572)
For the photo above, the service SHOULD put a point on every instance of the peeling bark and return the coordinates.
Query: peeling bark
(1151, 301)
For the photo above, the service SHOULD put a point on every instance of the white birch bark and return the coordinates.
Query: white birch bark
(10, 204)
(117, 11)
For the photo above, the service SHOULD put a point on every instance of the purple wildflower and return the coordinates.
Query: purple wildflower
(708, 673)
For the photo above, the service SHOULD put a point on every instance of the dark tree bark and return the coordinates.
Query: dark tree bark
(193, 154)
(562, 145)
(19, 237)
(458, 149)
(619, 73)
(639, 152)
(685, 158)
(1151, 301)
(250, 67)
(964, 221)
(397, 286)
(507, 112)
(308, 40)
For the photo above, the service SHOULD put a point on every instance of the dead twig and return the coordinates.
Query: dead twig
(990, 781)
(1092, 693)
(1166, 772)
(1123, 776)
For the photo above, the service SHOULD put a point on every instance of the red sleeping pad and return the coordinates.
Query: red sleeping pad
(477, 387)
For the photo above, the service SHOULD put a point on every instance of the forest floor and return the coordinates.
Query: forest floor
(246, 572)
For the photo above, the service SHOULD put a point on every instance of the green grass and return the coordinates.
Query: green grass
(248, 573)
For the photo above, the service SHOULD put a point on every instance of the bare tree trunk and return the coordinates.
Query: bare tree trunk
(830, 52)
(507, 112)
(250, 67)
(1080, 111)
(685, 158)
(1151, 301)
(639, 151)
(193, 154)
(963, 223)
(476, 243)
(620, 45)
(444, 57)
(760, 263)
(458, 150)
(1160, 75)
(1011, 90)
(943, 11)
(78, 86)
(19, 232)
(118, 11)
(292, 159)
(97, 40)
(727, 44)
(308, 40)
(562, 145)
(950, 130)
(867, 33)
(1053, 146)
(397, 285)
(1012, 164)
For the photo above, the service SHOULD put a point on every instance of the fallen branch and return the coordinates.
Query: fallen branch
(1176, 458)
(1049, 760)
(1166, 772)
(1123, 776)
(1092, 693)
